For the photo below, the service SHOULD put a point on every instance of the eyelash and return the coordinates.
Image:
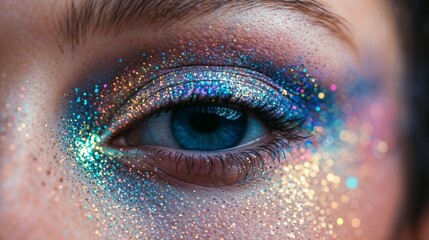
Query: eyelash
(285, 132)
(291, 126)
(246, 162)
(132, 115)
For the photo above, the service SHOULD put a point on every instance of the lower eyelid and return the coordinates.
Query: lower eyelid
(203, 168)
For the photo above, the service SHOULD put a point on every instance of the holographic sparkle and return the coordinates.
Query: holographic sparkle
(130, 194)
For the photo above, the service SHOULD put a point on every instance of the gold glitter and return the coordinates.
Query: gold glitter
(299, 195)
(284, 92)
(344, 135)
(356, 223)
(345, 199)
(382, 146)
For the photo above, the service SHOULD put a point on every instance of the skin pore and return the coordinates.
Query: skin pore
(345, 182)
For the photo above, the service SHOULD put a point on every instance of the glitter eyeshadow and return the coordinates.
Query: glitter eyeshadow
(301, 193)
(227, 85)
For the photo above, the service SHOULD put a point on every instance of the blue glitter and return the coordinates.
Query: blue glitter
(352, 182)
(96, 112)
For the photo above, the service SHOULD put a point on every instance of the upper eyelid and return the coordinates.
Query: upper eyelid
(150, 94)
(167, 70)
(262, 79)
(260, 76)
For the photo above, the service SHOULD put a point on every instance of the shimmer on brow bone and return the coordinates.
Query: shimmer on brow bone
(92, 16)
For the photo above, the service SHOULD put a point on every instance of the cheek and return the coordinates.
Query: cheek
(36, 199)
(27, 191)
(331, 192)
(380, 166)
(350, 185)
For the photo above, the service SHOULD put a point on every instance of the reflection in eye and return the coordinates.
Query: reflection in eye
(207, 125)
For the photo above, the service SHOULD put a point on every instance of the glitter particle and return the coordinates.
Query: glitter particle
(356, 223)
(352, 182)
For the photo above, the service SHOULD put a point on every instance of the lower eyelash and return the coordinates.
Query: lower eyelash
(249, 163)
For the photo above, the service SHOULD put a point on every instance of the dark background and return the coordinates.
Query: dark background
(413, 18)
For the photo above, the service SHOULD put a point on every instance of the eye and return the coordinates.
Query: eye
(209, 126)
(203, 128)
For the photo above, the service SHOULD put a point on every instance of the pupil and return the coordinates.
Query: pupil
(204, 122)
(208, 128)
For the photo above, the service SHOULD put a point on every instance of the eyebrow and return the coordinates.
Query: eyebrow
(107, 16)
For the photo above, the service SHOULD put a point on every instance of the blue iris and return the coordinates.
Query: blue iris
(208, 127)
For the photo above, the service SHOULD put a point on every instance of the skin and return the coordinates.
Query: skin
(44, 198)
